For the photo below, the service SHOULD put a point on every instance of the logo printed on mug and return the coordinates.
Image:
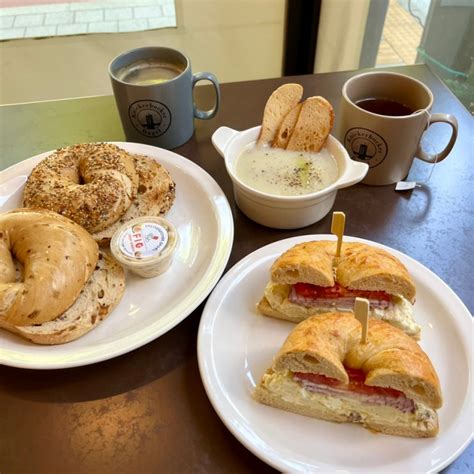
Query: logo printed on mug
(150, 117)
(366, 146)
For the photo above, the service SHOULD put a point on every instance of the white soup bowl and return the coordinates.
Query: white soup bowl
(284, 212)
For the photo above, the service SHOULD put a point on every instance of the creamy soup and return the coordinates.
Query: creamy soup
(284, 172)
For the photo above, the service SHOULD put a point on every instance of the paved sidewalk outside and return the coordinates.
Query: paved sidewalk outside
(59, 19)
(400, 38)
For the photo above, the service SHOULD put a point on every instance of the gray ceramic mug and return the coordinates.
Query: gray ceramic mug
(160, 114)
(388, 144)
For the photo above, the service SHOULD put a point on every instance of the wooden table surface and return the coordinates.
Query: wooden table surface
(147, 411)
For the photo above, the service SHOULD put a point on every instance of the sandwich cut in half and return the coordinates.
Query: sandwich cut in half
(323, 371)
(309, 279)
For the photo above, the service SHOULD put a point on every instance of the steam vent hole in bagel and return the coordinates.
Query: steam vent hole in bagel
(92, 184)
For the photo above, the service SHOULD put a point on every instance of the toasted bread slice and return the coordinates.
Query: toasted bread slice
(313, 126)
(98, 298)
(287, 127)
(277, 107)
(156, 193)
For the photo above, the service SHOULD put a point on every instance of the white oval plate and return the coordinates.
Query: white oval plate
(149, 307)
(236, 345)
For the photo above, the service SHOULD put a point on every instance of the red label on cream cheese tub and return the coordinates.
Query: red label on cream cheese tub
(143, 240)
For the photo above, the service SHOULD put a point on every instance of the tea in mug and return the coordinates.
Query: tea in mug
(384, 107)
(148, 72)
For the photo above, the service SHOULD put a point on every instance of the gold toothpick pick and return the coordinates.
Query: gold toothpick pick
(337, 228)
(361, 312)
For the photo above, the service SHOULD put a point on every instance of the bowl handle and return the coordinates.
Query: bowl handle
(354, 174)
(222, 137)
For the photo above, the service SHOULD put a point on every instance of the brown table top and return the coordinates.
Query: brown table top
(147, 410)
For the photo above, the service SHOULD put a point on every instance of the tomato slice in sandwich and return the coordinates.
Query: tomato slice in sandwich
(356, 383)
(307, 290)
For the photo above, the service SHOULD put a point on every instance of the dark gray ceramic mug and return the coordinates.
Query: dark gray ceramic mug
(159, 114)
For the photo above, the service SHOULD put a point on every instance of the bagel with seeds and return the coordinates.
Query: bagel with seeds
(100, 186)
(92, 184)
(155, 195)
(324, 371)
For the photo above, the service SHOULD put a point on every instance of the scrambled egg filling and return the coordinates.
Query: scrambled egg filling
(399, 314)
(350, 406)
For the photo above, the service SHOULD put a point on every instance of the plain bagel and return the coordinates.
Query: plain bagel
(322, 344)
(92, 184)
(360, 266)
(323, 370)
(98, 298)
(58, 257)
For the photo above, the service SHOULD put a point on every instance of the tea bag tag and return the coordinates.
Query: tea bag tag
(409, 185)
(406, 185)
(361, 312)
(337, 227)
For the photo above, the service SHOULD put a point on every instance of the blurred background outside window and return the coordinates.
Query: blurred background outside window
(46, 18)
(356, 34)
(54, 49)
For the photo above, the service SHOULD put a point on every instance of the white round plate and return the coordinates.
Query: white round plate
(149, 307)
(236, 345)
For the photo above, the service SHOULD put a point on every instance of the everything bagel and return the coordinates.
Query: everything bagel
(156, 193)
(58, 257)
(92, 184)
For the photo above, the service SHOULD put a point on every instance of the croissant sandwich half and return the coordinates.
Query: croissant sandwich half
(308, 279)
(323, 371)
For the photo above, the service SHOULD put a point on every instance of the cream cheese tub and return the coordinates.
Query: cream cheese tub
(145, 245)
(280, 211)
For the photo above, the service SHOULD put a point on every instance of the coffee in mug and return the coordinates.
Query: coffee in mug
(153, 89)
(382, 119)
(147, 72)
